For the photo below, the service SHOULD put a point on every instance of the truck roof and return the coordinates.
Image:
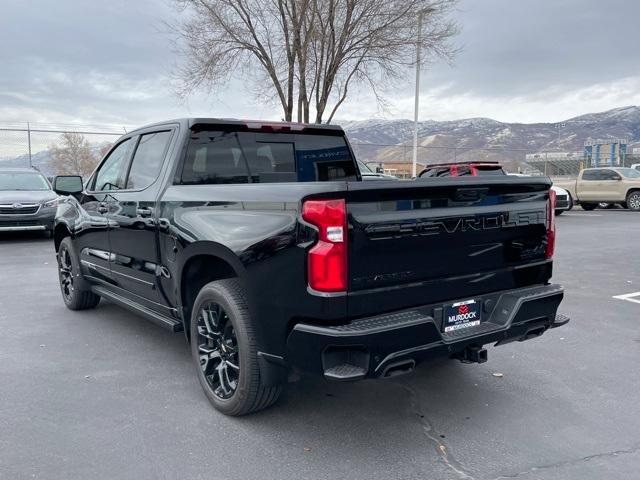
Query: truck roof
(195, 122)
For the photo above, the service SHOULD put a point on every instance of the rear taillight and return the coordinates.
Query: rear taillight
(551, 224)
(327, 259)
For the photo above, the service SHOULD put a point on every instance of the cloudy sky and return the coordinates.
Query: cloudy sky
(97, 62)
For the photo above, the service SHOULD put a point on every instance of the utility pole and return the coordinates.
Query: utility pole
(417, 100)
(29, 142)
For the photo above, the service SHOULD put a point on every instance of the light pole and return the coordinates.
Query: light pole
(417, 95)
(417, 99)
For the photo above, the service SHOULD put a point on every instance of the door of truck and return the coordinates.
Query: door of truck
(133, 227)
(589, 185)
(94, 249)
(610, 183)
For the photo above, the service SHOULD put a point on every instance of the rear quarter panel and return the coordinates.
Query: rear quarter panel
(257, 229)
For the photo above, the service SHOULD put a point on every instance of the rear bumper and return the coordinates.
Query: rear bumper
(379, 345)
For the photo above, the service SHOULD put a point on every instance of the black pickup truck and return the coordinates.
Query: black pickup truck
(262, 243)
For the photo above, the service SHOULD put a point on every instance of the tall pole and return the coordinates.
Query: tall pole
(29, 141)
(415, 112)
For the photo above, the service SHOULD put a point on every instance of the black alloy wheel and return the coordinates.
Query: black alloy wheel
(224, 348)
(65, 268)
(218, 350)
(76, 293)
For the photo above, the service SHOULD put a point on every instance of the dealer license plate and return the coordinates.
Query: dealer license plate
(461, 315)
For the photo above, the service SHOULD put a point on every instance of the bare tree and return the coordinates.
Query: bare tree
(72, 156)
(309, 54)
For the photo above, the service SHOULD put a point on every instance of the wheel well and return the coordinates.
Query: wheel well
(61, 231)
(631, 190)
(197, 272)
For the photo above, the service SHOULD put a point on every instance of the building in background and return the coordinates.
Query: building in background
(602, 152)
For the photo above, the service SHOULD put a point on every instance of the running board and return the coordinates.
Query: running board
(161, 320)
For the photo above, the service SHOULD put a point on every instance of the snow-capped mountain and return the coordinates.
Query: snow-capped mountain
(484, 133)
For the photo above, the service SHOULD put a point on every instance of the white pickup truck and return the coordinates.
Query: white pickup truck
(604, 185)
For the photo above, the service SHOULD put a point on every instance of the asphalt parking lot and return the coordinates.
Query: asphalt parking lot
(105, 394)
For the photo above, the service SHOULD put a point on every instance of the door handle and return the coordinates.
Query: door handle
(102, 208)
(144, 212)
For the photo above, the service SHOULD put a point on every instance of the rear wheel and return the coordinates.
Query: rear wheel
(224, 349)
(633, 201)
(74, 294)
(588, 206)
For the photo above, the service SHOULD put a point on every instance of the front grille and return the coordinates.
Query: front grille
(563, 198)
(23, 209)
(19, 223)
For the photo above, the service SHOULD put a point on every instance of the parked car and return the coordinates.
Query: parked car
(563, 199)
(262, 243)
(606, 185)
(27, 202)
(636, 166)
(368, 174)
(460, 169)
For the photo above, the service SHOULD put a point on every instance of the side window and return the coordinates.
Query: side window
(148, 159)
(590, 175)
(112, 172)
(609, 175)
(214, 157)
(271, 161)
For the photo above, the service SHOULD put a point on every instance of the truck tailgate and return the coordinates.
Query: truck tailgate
(435, 240)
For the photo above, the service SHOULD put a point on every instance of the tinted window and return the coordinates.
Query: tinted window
(147, 161)
(112, 172)
(590, 175)
(22, 181)
(608, 175)
(246, 157)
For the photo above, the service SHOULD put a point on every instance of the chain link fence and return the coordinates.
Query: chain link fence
(397, 159)
(30, 145)
(24, 145)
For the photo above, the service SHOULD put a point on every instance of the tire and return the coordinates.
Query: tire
(74, 293)
(624, 205)
(224, 350)
(633, 201)
(559, 212)
(588, 206)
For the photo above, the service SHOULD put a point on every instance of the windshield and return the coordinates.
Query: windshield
(363, 167)
(629, 172)
(22, 181)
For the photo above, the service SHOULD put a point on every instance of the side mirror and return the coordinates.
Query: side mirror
(67, 184)
(379, 170)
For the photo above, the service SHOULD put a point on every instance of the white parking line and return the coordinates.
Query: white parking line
(583, 214)
(629, 297)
